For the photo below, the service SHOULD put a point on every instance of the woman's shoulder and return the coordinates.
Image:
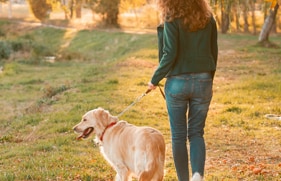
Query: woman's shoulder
(175, 22)
(213, 20)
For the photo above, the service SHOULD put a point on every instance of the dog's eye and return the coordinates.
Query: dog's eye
(84, 119)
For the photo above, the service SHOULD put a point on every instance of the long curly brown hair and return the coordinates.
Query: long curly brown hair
(195, 13)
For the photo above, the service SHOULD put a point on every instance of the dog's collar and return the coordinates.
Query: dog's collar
(108, 126)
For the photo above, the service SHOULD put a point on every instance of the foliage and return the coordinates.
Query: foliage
(40, 9)
(109, 9)
(55, 4)
(41, 103)
(37, 50)
(5, 50)
(127, 5)
(274, 2)
(2, 33)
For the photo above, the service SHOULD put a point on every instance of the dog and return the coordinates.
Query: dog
(131, 150)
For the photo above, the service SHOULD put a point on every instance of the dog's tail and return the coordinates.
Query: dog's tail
(155, 170)
(152, 175)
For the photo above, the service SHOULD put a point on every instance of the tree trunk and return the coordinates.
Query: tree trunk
(225, 16)
(236, 13)
(78, 9)
(274, 26)
(253, 16)
(71, 8)
(264, 34)
(112, 18)
(64, 6)
(245, 16)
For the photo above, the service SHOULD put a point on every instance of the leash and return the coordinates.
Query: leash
(138, 100)
(162, 92)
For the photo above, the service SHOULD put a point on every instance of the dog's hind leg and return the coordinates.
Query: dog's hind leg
(122, 178)
(148, 176)
(122, 174)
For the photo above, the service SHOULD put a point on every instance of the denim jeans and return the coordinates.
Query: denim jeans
(190, 93)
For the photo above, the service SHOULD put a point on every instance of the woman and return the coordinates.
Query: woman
(188, 58)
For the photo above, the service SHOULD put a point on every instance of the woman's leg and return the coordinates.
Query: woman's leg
(177, 108)
(198, 110)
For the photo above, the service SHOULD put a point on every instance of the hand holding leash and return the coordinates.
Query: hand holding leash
(151, 86)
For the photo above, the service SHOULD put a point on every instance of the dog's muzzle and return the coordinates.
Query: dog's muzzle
(86, 133)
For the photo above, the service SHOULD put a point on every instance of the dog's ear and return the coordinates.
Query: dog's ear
(106, 116)
(113, 118)
(102, 114)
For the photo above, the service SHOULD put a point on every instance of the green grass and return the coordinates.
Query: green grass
(41, 102)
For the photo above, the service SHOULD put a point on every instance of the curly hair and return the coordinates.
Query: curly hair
(195, 13)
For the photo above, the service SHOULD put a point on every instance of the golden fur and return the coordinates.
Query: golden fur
(131, 150)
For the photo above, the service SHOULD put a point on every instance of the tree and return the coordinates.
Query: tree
(127, 5)
(75, 8)
(225, 13)
(65, 7)
(215, 5)
(245, 15)
(269, 21)
(236, 12)
(78, 8)
(40, 8)
(109, 9)
(252, 3)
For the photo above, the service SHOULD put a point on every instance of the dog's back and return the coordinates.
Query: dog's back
(135, 150)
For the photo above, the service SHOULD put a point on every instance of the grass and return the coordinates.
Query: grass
(41, 102)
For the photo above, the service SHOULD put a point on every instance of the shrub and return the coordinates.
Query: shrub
(20, 45)
(2, 34)
(39, 50)
(5, 50)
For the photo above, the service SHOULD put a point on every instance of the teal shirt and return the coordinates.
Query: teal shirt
(182, 51)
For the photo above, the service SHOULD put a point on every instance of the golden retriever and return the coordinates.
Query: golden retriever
(132, 151)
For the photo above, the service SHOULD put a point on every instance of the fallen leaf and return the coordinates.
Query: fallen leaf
(251, 167)
(265, 171)
(257, 170)
(252, 159)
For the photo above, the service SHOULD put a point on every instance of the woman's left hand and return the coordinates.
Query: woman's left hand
(151, 86)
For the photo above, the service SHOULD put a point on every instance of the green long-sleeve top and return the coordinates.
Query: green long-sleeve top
(182, 51)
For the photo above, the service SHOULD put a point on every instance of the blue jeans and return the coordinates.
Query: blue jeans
(193, 93)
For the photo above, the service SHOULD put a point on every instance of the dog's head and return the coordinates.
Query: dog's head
(94, 121)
